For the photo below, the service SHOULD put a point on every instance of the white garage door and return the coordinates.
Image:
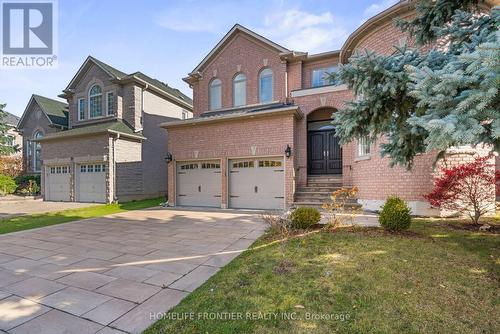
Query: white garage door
(199, 183)
(57, 183)
(256, 183)
(91, 183)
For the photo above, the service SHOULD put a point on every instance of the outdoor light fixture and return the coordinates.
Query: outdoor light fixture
(168, 158)
(288, 151)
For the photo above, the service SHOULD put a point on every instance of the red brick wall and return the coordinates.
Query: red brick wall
(309, 66)
(309, 104)
(268, 136)
(246, 55)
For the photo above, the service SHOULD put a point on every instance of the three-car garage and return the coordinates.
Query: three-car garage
(252, 183)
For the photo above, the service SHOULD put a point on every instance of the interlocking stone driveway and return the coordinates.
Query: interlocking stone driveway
(106, 275)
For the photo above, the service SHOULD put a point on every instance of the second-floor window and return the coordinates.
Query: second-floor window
(95, 101)
(81, 109)
(363, 147)
(215, 94)
(266, 86)
(321, 76)
(110, 103)
(240, 90)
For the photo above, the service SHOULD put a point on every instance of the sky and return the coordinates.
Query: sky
(167, 39)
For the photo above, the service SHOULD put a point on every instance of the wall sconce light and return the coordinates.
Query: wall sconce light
(288, 151)
(168, 158)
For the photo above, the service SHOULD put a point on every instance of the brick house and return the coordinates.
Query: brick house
(111, 147)
(261, 136)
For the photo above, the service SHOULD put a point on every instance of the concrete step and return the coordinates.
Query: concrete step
(317, 189)
(324, 184)
(319, 205)
(311, 199)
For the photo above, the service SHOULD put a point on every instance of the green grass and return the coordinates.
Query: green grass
(27, 222)
(435, 278)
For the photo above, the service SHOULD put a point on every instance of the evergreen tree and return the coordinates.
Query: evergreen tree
(425, 101)
(4, 138)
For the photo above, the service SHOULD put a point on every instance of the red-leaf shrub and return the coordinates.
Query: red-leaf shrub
(467, 189)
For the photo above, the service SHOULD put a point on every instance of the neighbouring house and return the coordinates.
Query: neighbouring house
(42, 116)
(111, 147)
(14, 137)
(261, 136)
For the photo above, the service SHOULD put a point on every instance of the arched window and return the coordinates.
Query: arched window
(266, 85)
(95, 101)
(215, 95)
(240, 90)
(37, 162)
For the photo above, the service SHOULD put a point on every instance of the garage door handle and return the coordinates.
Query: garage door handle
(234, 171)
(217, 172)
(181, 173)
(279, 197)
(199, 189)
(256, 189)
(278, 170)
(217, 195)
(180, 195)
(233, 196)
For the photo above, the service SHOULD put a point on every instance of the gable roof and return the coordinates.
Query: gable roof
(55, 111)
(237, 28)
(112, 127)
(10, 119)
(122, 77)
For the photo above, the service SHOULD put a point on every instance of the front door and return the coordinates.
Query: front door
(324, 153)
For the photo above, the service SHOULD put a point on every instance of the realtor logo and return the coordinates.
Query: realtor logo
(28, 34)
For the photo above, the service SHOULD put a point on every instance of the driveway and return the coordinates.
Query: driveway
(16, 206)
(109, 274)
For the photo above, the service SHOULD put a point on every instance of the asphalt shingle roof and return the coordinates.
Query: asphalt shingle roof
(110, 126)
(57, 111)
(117, 74)
(10, 119)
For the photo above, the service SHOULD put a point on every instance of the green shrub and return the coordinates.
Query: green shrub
(7, 185)
(395, 214)
(28, 184)
(303, 218)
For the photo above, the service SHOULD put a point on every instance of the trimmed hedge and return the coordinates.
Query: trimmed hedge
(395, 214)
(7, 185)
(303, 218)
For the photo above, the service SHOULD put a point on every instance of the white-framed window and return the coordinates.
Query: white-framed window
(110, 103)
(81, 109)
(266, 85)
(240, 90)
(321, 76)
(363, 147)
(215, 94)
(37, 161)
(95, 101)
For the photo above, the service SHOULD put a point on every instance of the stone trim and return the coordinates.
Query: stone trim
(317, 90)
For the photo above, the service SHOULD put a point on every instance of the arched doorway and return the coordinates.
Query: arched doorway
(324, 153)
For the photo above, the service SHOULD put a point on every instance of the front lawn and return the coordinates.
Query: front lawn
(27, 222)
(435, 278)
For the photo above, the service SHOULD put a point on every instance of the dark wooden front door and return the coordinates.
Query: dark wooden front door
(324, 154)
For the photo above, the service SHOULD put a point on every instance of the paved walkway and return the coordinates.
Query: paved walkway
(107, 275)
(16, 206)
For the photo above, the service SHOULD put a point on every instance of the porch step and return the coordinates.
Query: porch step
(317, 189)
(319, 205)
(324, 184)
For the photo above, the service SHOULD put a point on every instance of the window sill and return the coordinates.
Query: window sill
(363, 158)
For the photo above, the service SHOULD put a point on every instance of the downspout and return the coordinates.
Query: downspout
(142, 106)
(115, 199)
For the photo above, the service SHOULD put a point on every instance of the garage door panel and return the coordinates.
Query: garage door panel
(91, 183)
(256, 183)
(199, 184)
(57, 183)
